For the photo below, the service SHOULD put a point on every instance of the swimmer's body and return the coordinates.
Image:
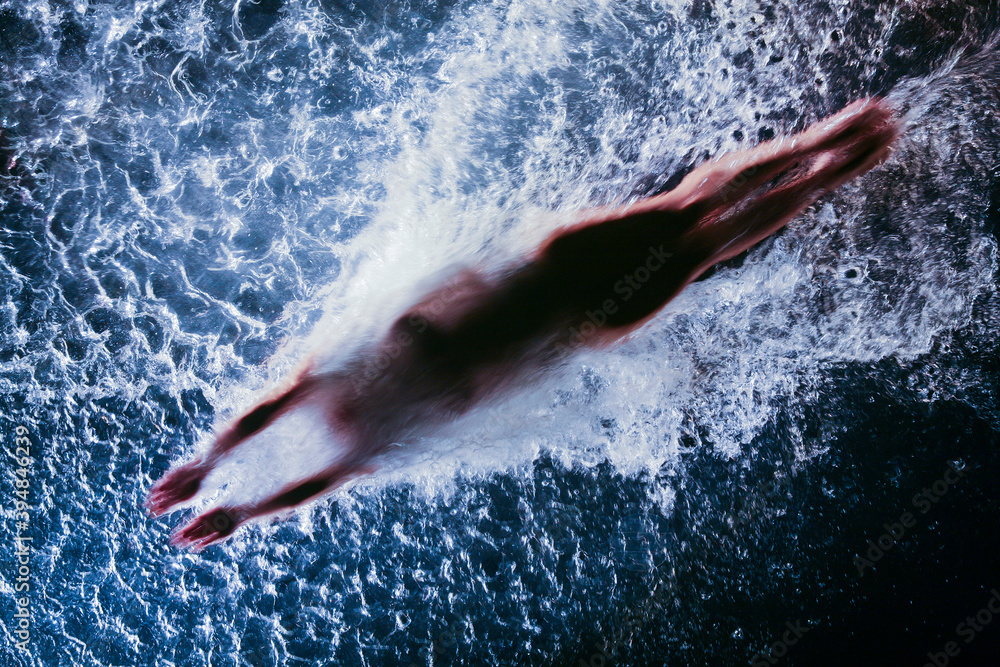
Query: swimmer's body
(590, 284)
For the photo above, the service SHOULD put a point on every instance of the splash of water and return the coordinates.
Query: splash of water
(197, 193)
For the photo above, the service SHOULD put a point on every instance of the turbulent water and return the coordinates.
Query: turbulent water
(194, 194)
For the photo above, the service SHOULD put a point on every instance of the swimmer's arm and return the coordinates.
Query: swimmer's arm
(259, 418)
(183, 483)
(219, 523)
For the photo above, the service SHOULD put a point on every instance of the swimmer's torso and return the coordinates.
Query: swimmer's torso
(479, 334)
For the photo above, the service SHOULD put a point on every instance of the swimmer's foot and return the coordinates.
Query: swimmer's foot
(211, 527)
(841, 147)
(177, 486)
(848, 126)
(864, 147)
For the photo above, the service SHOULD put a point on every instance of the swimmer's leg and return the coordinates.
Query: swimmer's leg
(824, 169)
(727, 180)
(719, 210)
(219, 523)
(182, 483)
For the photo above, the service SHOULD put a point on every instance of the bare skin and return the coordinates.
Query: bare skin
(588, 285)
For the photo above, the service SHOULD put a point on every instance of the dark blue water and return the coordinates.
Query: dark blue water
(193, 194)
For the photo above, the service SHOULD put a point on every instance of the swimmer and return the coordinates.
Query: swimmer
(588, 285)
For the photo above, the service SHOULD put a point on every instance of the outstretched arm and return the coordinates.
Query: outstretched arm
(182, 483)
(259, 418)
(218, 524)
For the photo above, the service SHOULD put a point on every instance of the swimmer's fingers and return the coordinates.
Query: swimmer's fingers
(177, 486)
(211, 527)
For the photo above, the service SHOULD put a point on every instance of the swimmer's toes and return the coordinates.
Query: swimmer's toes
(874, 149)
(835, 167)
(178, 485)
(856, 122)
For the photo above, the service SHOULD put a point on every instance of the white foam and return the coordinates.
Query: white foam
(726, 353)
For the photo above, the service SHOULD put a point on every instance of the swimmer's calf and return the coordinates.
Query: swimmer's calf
(496, 330)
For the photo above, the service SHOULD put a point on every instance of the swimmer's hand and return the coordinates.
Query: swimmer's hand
(177, 486)
(218, 524)
(209, 528)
